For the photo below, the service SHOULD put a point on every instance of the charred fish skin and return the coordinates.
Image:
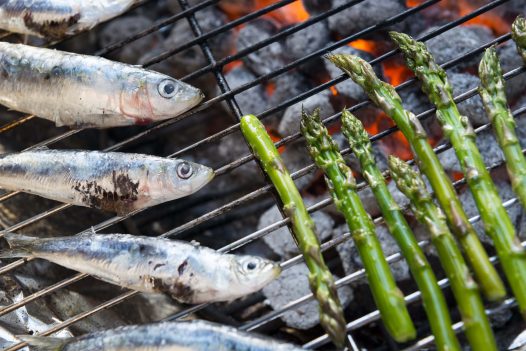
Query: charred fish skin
(56, 19)
(189, 273)
(168, 336)
(110, 181)
(87, 91)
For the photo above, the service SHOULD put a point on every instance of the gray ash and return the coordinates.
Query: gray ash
(458, 41)
(266, 59)
(296, 157)
(472, 107)
(307, 40)
(363, 15)
(253, 100)
(509, 60)
(293, 284)
(315, 7)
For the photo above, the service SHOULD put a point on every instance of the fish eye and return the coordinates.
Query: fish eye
(184, 170)
(167, 88)
(250, 266)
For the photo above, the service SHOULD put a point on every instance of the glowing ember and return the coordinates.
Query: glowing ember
(395, 71)
(292, 13)
(274, 136)
(365, 45)
(230, 66)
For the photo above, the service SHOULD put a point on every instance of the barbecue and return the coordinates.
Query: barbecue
(268, 58)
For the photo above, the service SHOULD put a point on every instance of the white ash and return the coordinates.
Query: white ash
(281, 241)
(315, 7)
(253, 100)
(487, 145)
(472, 107)
(267, 59)
(351, 260)
(458, 41)
(307, 40)
(121, 28)
(348, 88)
(191, 59)
(509, 60)
(364, 14)
(290, 122)
(293, 284)
(506, 193)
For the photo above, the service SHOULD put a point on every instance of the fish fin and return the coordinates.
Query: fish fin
(44, 343)
(20, 245)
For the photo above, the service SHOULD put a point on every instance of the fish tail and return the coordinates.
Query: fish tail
(20, 245)
(44, 343)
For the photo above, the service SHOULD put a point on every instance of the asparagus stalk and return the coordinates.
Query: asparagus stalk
(434, 302)
(458, 130)
(388, 298)
(465, 290)
(518, 33)
(385, 97)
(493, 95)
(320, 278)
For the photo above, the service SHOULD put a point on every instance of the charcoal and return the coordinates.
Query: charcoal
(293, 284)
(266, 59)
(363, 15)
(506, 193)
(398, 196)
(315, 7)
(487, 145)
(233, 147)
(238, 7)
(472, 107)
(253, 100)
(500, 318)
(520, 120)
(307, 40)
(415, 101)
(348, 88)
(193, 58)
(509, 60)
(280, 240)
(458, 41)
(351, 260)
(121, 28)
(290, 123)
(296, 157)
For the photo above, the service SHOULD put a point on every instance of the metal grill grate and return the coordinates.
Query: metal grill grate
(215, 66)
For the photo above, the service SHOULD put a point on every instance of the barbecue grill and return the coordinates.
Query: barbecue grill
(247, 200)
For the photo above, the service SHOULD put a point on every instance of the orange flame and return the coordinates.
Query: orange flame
(364, 45)
(395, 71)
(292, 13)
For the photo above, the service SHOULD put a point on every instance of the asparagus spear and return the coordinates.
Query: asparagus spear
(320, 278)
(385, 97)
(465, 290)
(434, 302)
(518, 33)
(458, 130)
(389, 299)
(493, 95)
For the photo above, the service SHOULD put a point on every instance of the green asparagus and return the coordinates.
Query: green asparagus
(320, 278)
(434, 302)
(459, 131)
(385, 97)
(518, 33)
(389, 299)
(493, 93)
(465, 290)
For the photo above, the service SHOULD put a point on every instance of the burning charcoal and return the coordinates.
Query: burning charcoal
(293, 284)
(307, 40)
(121, 28)
(347, 88)
(266, 59)
(363, 15)
(192, 58)
(315, 7)
(509, 60)
(416, 102)
(458, 41)
(238, 7)
(486, 143)
(253, 100)
(351, 259)
(281, 242)
(290, 123)
(472, 107)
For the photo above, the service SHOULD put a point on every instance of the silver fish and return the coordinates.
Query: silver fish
(87, 91)
(111, 181)
(56, 19)
(168, 336)
(189, 273)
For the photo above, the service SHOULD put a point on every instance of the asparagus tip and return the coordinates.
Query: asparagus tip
(518, 32)
(353, 129)
(489, 66)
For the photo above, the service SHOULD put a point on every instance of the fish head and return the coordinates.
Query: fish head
(188, 177)
(153, 96)
(252, 273)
